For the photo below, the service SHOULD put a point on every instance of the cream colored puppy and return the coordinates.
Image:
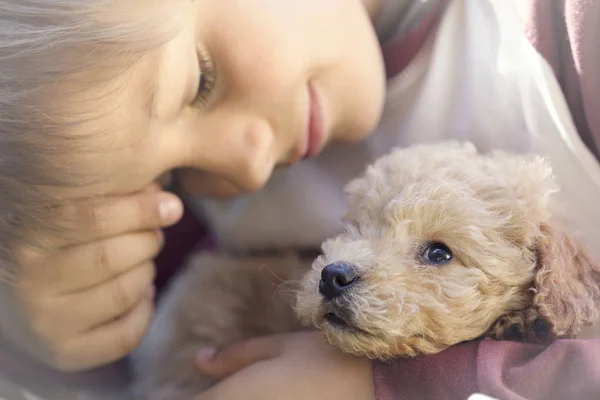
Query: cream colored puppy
(442, 245)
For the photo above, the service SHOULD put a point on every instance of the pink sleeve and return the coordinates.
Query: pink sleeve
(181, 240)
(566, 33)
(567, 369)
(446, 375)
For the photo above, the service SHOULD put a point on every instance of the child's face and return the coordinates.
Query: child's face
(260, 61)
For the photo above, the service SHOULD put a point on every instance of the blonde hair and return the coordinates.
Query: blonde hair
(44, 44)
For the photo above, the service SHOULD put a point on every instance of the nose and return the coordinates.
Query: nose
(336, 278)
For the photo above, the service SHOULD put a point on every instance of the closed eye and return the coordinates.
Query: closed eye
(207, 79)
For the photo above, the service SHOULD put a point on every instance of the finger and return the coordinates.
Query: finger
(107, 343)
(113, 299)
(153, 187)
(58, 318)
(79, 268)
(237, 356)
(88, 221)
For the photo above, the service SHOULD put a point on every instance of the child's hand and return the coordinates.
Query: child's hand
(293, 366)
(91, 300)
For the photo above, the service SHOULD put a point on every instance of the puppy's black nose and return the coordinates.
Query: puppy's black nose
(336, 278)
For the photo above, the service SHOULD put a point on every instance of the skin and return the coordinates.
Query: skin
(260, 60)
(89, 297)
(301, 365)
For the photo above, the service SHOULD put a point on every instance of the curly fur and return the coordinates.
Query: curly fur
(515, 273)
(216, 300)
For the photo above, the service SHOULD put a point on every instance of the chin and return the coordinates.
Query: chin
(364, 121)
(344, 331)
(359, 118)
(363, 344)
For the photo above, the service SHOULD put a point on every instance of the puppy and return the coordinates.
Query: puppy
(442, 245)
(216, 300)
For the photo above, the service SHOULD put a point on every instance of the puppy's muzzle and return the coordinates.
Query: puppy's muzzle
(336, 279)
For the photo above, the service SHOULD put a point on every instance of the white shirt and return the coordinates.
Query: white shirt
(477, 79)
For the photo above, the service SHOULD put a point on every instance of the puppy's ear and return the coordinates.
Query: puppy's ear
(530, 186)
(566, 284)
(565, 293)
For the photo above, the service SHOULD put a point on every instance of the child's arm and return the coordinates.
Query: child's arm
(307, 367)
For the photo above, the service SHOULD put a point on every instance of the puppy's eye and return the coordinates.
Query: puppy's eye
(436, 253)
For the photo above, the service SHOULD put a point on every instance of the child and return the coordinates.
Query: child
(99, 98)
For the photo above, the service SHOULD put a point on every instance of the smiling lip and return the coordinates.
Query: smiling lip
(315, 127)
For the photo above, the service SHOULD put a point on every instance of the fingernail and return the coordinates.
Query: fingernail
(170, 210)
(206, 353)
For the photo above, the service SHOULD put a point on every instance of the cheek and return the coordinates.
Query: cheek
(385, 301)
(412, 301)
(455, 305)
(308, 299)
(254, 49)
(360, 69)
(130, 173)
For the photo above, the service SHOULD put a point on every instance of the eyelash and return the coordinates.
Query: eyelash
(208, 78)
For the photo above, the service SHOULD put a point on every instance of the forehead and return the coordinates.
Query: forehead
(434, 207)
(451, 201)
(126, 59)
(112, 105)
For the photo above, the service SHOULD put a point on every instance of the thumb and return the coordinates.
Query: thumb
(237, 356)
